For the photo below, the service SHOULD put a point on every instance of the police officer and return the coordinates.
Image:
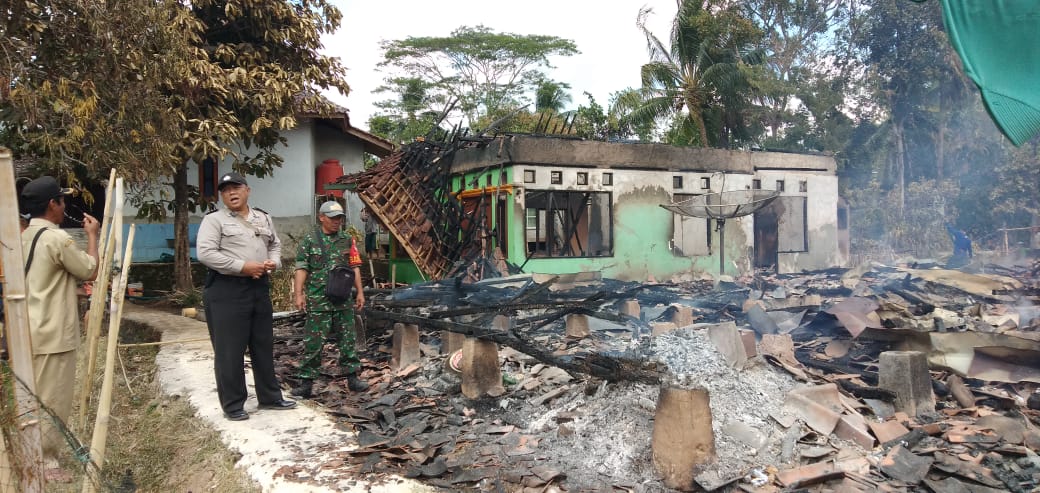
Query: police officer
(240, 247)
(328, 247)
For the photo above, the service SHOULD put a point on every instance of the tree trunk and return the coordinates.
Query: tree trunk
(940, 144)
(181, 246)
(900, 165)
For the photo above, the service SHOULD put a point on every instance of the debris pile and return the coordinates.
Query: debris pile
(886, 378)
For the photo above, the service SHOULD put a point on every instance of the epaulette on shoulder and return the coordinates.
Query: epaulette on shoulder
(212, 211)
(261, 210)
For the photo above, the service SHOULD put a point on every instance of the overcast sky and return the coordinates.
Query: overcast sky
(612, 47)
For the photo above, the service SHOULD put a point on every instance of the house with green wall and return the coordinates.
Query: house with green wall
(558, 205)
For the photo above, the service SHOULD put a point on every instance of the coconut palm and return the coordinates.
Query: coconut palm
(700, 81)
(552, 96)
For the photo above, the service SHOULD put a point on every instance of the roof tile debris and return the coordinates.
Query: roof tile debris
(806, 412)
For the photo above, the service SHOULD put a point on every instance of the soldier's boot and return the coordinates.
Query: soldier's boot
(355, 384)
(303, 390)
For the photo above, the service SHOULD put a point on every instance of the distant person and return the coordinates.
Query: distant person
(241, 248)
(371, 232)
(53, 267)
(318, 253)
(962, 250)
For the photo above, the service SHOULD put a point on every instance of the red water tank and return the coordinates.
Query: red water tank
(328, 171)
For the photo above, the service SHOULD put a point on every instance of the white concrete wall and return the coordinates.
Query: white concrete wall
(288, 194)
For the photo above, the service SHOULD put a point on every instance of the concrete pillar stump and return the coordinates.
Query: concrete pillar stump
(658, 328)
(727, 339)
(481, 374)
(683, 316)
(577, 325)
(451, 341)
(750, 342)
(905, 373)
(630, 308)
(406, 346)
(683, 442)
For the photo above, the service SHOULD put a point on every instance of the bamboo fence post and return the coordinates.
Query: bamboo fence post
(97, 299)
(16, 314)
(100, 437)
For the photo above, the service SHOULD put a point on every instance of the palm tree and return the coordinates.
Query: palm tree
(552, 96)
(700, 81)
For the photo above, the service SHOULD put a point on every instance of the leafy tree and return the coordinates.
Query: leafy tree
(799, 97)
(412, 114)
(700, 81)
(485, 72)
(150, 86)
(83, 85)
(910, 64)
(263, 65)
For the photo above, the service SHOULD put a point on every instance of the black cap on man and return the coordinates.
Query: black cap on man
(230, 178)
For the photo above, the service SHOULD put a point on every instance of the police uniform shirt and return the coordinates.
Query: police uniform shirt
(51, 281)
(225, 242)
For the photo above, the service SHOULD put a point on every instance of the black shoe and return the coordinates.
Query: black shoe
(303, 390)
(280, 405)
(355, 384)
(239, 415)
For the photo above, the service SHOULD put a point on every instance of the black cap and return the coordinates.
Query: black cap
(43, 189)
(229, 178)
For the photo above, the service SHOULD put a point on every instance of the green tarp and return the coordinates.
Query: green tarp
(999, 43)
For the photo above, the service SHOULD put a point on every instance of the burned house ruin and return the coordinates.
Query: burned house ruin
(562, 205)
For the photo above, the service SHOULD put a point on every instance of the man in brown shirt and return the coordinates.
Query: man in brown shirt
(54, 265)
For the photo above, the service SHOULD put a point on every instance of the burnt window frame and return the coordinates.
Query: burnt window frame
(530, 176)
(556, 177)
(756, 184)
(677, 182)
(608, 179)
(550, 248)
(582, 178)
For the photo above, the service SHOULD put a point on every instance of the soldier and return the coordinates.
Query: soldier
(241, 249)
(328, 247)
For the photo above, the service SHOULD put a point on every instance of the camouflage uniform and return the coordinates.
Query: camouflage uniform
(325, 317)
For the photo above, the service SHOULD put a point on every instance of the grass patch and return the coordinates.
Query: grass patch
(155, 442)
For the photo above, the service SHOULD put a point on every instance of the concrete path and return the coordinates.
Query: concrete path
(302, 440)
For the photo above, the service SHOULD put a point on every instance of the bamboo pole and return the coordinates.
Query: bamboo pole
(100, 437)
(98, 296)
(16, 315)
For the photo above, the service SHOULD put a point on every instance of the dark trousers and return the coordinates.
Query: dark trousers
(238, 315)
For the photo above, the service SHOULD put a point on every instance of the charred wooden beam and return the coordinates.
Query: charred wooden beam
(610, 366)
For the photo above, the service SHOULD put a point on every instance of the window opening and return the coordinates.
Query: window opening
(568, 224)
(208, 179)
